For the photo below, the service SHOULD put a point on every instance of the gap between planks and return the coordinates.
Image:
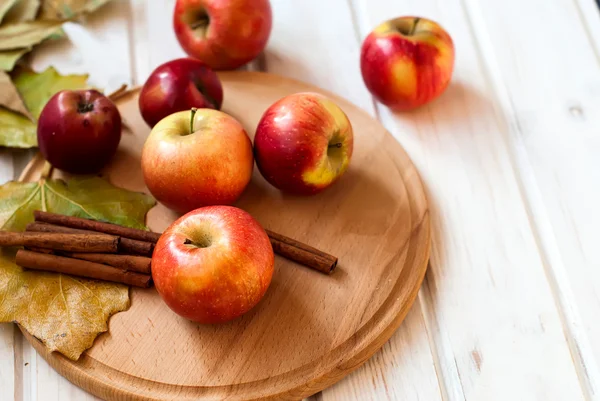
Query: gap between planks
(539, 221)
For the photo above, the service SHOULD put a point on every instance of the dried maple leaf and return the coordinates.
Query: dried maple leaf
(64, 312)
(66, 9)
(5, 5)
(9, 58)
(23, 10)
(9, 95)
(27, 94)
(37, 88)
(16, 130)
(26, 34)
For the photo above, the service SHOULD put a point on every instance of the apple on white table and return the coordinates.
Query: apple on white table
(225, 34)
(407, 62)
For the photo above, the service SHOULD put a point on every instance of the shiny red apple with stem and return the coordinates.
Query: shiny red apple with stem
(197, 158)
(179, 85)
(303, 143)
(79, 131)
(213, 264)
(225, 34)
(407, 62)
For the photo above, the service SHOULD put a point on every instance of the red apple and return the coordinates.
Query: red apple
(213, 264)
(303, 143)
(207, 163)
(79, 131)
(225, 34)
(407, 62)
(179, 85)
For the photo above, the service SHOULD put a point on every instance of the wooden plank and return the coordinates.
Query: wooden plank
(490, 300)
(316, 42)
(154, 36)
(554, 135)
(7, 359)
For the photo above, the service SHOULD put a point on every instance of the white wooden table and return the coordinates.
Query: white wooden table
(510, 156)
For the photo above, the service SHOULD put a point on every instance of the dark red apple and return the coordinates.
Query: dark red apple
(79, 131)
(213, 264)
(179, 85)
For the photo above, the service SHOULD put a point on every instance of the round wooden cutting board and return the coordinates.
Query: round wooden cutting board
(310, 330)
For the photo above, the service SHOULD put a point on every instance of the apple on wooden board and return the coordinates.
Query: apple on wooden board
(213, 264)
(303, 143)
(179, 85)
(407, 62)
(225, 34)
(79, 131)
(197, 158)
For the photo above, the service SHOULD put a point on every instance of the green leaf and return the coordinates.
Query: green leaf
(9, 96)
(9, 58)
(5, 5)
(27, 95)
(16, 131)
(26, 34)
(37, 88)
(24, 10)
(64, 312)
(67, 9)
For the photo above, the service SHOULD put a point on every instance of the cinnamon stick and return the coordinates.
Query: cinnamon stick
(284, 246)
(321, 261)
(81, 268)
(94, 225)
(126, 245)
(302, 253)
(139, 264)
(99, 243)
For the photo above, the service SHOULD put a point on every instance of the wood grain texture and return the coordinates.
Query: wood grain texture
(555, 145)
(444, 333)
(301, 338)
(318, 42)
(491, 310)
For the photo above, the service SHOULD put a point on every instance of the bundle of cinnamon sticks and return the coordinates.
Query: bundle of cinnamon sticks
(110, 252)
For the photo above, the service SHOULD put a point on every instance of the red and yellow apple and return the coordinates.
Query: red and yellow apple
(225, 34)
(303, 143)
(79, 131)
(193, 159)
(179, 85)
(213, 264)
(407, 62)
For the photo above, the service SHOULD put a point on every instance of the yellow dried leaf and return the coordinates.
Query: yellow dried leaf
(64, 312)
(67, 9)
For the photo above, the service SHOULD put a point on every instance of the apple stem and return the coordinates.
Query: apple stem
(414, 27)
(194, 110)
(335, 145)
(198, 24)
